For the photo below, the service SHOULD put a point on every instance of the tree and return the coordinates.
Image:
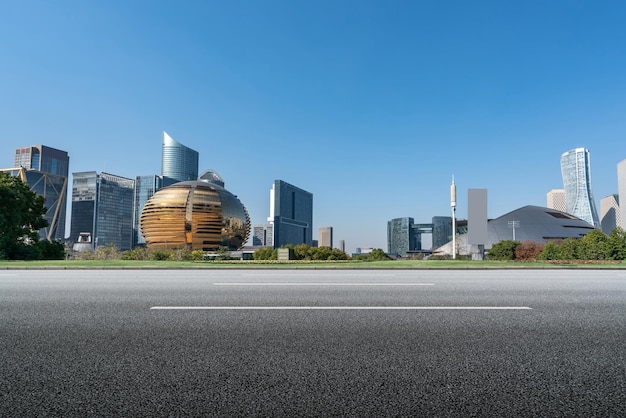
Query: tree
(21, 217)
(503, 250)
(616, 244)
(528, 250)
(593, 245)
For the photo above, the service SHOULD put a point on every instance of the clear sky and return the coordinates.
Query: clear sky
(372, 106)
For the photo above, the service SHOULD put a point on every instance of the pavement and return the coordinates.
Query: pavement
(313, 343)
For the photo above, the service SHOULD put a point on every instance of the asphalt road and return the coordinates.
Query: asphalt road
(313, 343)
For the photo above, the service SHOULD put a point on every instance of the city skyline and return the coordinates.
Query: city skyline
(369, 106)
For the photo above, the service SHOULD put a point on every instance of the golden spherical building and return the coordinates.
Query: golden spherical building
(199, 215)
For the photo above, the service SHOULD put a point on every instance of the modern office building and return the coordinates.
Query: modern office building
(263, 235)
(621, 190)
(576, 171)
(555, 199)
(198, 215)
(291, 214)
(442, 230)
(102, 208)
(145, 188)
(401, 237)
(45, 170)
(178, 161)
(342, 245)
(609, 213)
(325, 236)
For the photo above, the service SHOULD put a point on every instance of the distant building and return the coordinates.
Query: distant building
(555, 199)
(178, 161)
(342, 245)
(45, 170)
(145, 188)
(401, 237)
(197, 215)
(621, 191)
(102, 207)
(576, 171)
(442, 230)
(291, 214)
(325, 238)
(609, 213)
(263, 235)
(537, 224)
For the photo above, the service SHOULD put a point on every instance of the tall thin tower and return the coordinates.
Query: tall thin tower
(576, 172)
(178, 161)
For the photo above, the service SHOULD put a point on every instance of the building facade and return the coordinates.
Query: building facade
(45, 170)
(401, 237)
(442, 230)
(178, 161)
(609, 213)
(576, 171)
(145, 188)
(555, 199)
(291, 214)
(263, 235)
(102, 206)
(325, 236)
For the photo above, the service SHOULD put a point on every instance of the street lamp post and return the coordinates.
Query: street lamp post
(513, 225)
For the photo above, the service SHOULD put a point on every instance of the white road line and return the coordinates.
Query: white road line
(317, 284)
(338, 308)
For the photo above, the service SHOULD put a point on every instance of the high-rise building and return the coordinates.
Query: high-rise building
(291, 214)
(401, 237)
(342, 245)
(145, 188)
(576, 171)
(442, 230)
(102, 207)
(178, 161)
(609, 213)
(263, 235)
(325, 238)
(45, 170)
(621, 191)
(555, 199)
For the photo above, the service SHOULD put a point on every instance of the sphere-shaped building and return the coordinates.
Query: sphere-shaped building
(199, 215)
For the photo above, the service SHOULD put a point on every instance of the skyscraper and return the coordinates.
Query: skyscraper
(609, 213)
(576, 171)
(401, 237)
(45, 170)
(555, 199)
(291, 214)
(102, 206)
(178, 161)
(442, 230)
(325, 236)
(263, 235)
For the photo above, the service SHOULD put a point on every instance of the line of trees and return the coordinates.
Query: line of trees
(302, 252)
(596, 245)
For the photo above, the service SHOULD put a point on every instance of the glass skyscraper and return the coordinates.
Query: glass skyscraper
(102, 206)
(45, 170)
(291, 214)
(576, 171)
(401, 237)
(178, 161)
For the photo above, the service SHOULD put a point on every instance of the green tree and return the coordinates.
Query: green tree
(616, 245)
(503, 250)
(551, 251)
(593, 246)
(265, 253)
(569, 249)
(21, 217)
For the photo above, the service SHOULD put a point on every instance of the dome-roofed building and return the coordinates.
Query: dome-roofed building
(199, 215)
(532, 223)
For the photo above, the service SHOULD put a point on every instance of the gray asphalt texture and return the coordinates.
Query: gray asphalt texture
(84, 343)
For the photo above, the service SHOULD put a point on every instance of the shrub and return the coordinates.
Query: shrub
(528, 250)
(503, 250)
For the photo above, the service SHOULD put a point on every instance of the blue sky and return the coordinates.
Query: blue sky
(372, 106)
